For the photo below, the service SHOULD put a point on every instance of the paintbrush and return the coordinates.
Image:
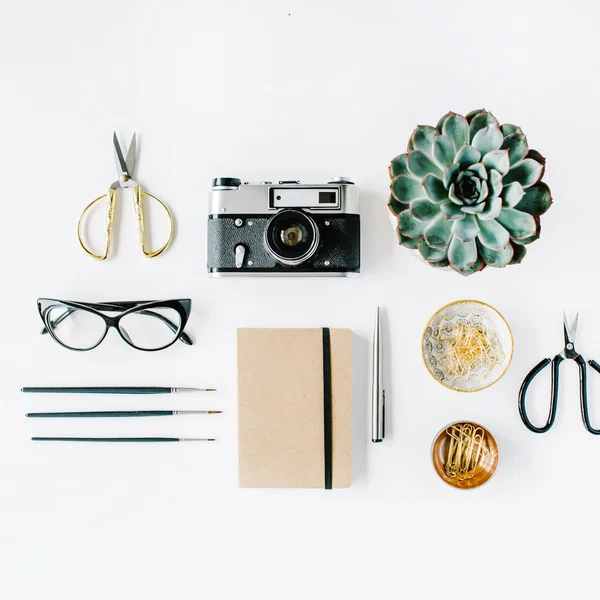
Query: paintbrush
(113, 390)
(124, 413)
(121, 439)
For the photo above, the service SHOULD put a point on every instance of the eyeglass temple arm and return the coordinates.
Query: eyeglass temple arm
(58, 320)
(184, 337)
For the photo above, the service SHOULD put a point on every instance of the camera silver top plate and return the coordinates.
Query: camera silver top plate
(251, 198)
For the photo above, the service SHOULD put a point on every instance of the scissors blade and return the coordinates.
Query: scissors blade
(570, 332)
(131, 154)
(119, 160)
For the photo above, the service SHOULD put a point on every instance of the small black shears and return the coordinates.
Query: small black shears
(570, 353)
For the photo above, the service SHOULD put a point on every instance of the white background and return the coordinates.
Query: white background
(274, 89)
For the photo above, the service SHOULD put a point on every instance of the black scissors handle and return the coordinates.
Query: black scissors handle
(583, 391)
(553, 393)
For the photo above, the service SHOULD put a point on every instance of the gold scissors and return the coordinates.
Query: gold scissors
(125, 169)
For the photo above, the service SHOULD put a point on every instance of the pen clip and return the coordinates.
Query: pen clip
(383, 414)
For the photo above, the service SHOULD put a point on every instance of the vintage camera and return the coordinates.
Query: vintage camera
(283, 229)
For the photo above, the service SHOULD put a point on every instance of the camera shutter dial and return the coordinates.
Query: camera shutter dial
(226, 182)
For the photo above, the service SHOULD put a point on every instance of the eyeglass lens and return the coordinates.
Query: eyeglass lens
(152, 328)
(75, 328)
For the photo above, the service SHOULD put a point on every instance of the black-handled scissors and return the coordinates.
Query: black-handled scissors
(570, 353)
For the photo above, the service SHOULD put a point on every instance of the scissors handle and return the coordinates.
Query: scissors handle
(583, 391)
(138, 195)
(110, 213)
(553, 393)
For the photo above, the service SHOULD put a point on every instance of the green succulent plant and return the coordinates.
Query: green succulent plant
(468, 193)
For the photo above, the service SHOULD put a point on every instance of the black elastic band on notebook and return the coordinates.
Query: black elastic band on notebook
(327, 416)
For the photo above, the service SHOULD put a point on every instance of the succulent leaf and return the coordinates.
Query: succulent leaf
(474, 209)
(496, 258)
(507, 129)
(434, 188)
(512, 194)
(484, 191)
(438, 233)
(495, 183)
(450, 174)
(440, 264)
(409, 226)
(452, 211)
(479, 170)
(452, 195)
(517, 146)
(432, 254)
(478, 265)
(398, 166)
(422, 139)
(498, 160)
(531, 238)
(527, 173)
(520, 225)
(424, 210)
(479, 121)
(420, 164)
(457, 128)
(406, 188)
(466, 229)
(407, 242)
(493, 235)
(396, 207)
(467, 156)
(443, 150)
(536, 201)
(492, 209)
(462, 255)
(487, 139)
(535, 155)
(519, 253)
(469, 116)
(440, 123)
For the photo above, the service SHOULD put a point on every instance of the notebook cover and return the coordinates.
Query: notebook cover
(280, 395)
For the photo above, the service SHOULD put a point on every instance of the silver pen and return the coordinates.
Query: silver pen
(378, 399)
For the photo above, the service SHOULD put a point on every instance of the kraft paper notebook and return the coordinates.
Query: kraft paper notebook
(295, 408)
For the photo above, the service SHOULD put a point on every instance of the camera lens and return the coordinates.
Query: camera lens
(292, 237)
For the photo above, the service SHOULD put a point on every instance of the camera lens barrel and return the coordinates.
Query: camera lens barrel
(292, 237)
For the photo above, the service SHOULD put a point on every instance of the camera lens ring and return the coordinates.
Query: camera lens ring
(284, 220)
